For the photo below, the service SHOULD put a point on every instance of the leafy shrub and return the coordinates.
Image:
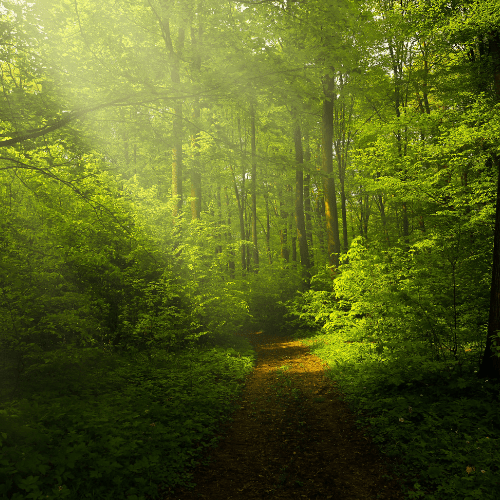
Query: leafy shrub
(95, 424)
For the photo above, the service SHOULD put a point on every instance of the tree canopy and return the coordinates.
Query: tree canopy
(172, 172)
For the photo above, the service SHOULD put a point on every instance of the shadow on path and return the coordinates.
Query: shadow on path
(291, 438)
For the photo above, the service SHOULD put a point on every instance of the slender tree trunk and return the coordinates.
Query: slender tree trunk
(230, 264)
(320, 213)
(177, 160)
(218, 247)
(285, 252)
(242, 224)
(490, 365)
(345, 244)
(366, 215)
(307, 194)
(254, 192)
(177, 129)
(195, 174)
(268, 225)
(406, 224)
(381, 206)
(342, 140)
(247, 239)
(195, 170)
(299, 194)
(331, 214)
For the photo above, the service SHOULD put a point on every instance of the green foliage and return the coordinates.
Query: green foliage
(267, 293)
(435, 418)
(95, 424)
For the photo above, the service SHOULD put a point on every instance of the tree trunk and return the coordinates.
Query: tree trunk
(230, 263)
(177, 160)
(218, 247)
(299, 194)
(177, 129)
(285, 252)
(490, 364)
(196, 40)
(195, 170)
(381, 206)
(268, 225)
(307, 194)
(345, 244)
(332, 222)
(342, 141)
(254, 192)
(320, 214)
(242, 224)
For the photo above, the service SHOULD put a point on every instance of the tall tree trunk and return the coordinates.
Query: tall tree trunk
(268, 225)
(174, 58)
(196, 40)
(381, 206)
(230, 263)
(177, 128)
(320, 214)
(294, 246)
(307, 193)
(195, 169)
(406, 224)
(342, 141)
(490, 364)
(177, 159)
(254, 191)
(299, 194)
(285, 251)
(331, 214)
(345, 241)
(399, 52)
(218, 247)
(242, 224)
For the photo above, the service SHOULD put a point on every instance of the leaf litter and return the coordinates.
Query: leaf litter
(291, 437)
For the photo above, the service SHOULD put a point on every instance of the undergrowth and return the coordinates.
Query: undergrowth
(437, 420)
(89, 424)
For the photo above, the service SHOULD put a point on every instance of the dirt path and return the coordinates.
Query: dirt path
(292, 438)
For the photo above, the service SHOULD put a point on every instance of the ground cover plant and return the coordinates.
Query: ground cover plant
(438, 421)
(291, 437)
(406, 357)
(111, 426)
(175, 173)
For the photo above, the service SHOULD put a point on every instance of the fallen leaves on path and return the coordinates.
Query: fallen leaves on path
(291, 438)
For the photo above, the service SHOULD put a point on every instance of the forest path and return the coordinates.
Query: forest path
(291, 438)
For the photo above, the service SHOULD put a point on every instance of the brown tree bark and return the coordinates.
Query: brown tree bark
(195, 170)
(342, 140)
(195, 174)
(242, 224)
(285, 251)
(175, 56)
(230, 264)
(255, 252)
(307, 194)
(268, 225)
(299, 194)
(331, 214)
(490, 364)
(218, 247)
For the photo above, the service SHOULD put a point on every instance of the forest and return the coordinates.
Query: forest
(177, 175)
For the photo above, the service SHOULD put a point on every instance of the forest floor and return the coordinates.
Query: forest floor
(291, 438)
